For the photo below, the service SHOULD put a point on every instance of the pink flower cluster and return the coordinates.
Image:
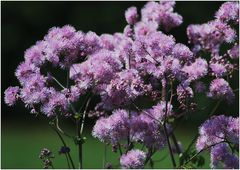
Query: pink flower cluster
(138, 63)
(142, 127)
(210, 37)
(218, 133)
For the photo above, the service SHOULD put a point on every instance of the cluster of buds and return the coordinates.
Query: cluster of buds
(46, 156)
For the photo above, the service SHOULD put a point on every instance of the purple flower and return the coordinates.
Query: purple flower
(150, 12)
(159, 44)
(234, 52)
(218, 69)
(184, 93)
(121, 68)
(35, 54)
(171, 20)
(216, 130)
(159, 111)
(124, 51)
(54, 102)
(228, 11)
(25, 71)
(193, 73)
(101, 129)
(182, 52)
(133, 159)
(221, 155)
(64, 45)
(73, 93)
(211, 35)
(145, 128)
(231, 162)
(11, 95)
(125, 87)
(162, 13)
(142, 29)
(131, 15)
(153, 55)
(220, 89)
(99, 68)
(128, 31)
(108, 41)
(91, 44)
(59, 43)
(32, 92)
(113, 128)
(220, 66)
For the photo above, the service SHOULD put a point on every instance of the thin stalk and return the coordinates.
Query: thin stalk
(85, 100)
(192, 142)
(120, 150)
(235, 90)
(129, 143)
(67, 161)
(189, 160)
(79, 128)
(65, 145)
(172, 134)
(215, 108)
(145, 112)
(60, 130)
(84, 115)
(169, 145)
(79, 142)
(104, 156)
(150, 154)
(164, 98)
(151, 163)
(58, 82)
(175, 143)
(196, 136)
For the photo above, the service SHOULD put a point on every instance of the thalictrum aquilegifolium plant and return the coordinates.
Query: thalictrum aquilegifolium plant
(143, 61)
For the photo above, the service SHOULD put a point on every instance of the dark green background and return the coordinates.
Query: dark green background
(23, 23)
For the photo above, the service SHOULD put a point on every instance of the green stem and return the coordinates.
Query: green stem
(105, 156)
(189, 160)
(60, 130)
(68, 161)
(215, 108)
(169, 145)
(150, 154)
(164, 98)
(60, 84)
(84, 115)
(85, 100)
(120, 150)
(79, 142)
(65, 145)
(192, 142)
(175, 143)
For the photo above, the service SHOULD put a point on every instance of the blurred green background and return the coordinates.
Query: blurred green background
(23, 23)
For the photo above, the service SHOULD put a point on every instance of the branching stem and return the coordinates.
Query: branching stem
(65, 145)
(164, 98)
